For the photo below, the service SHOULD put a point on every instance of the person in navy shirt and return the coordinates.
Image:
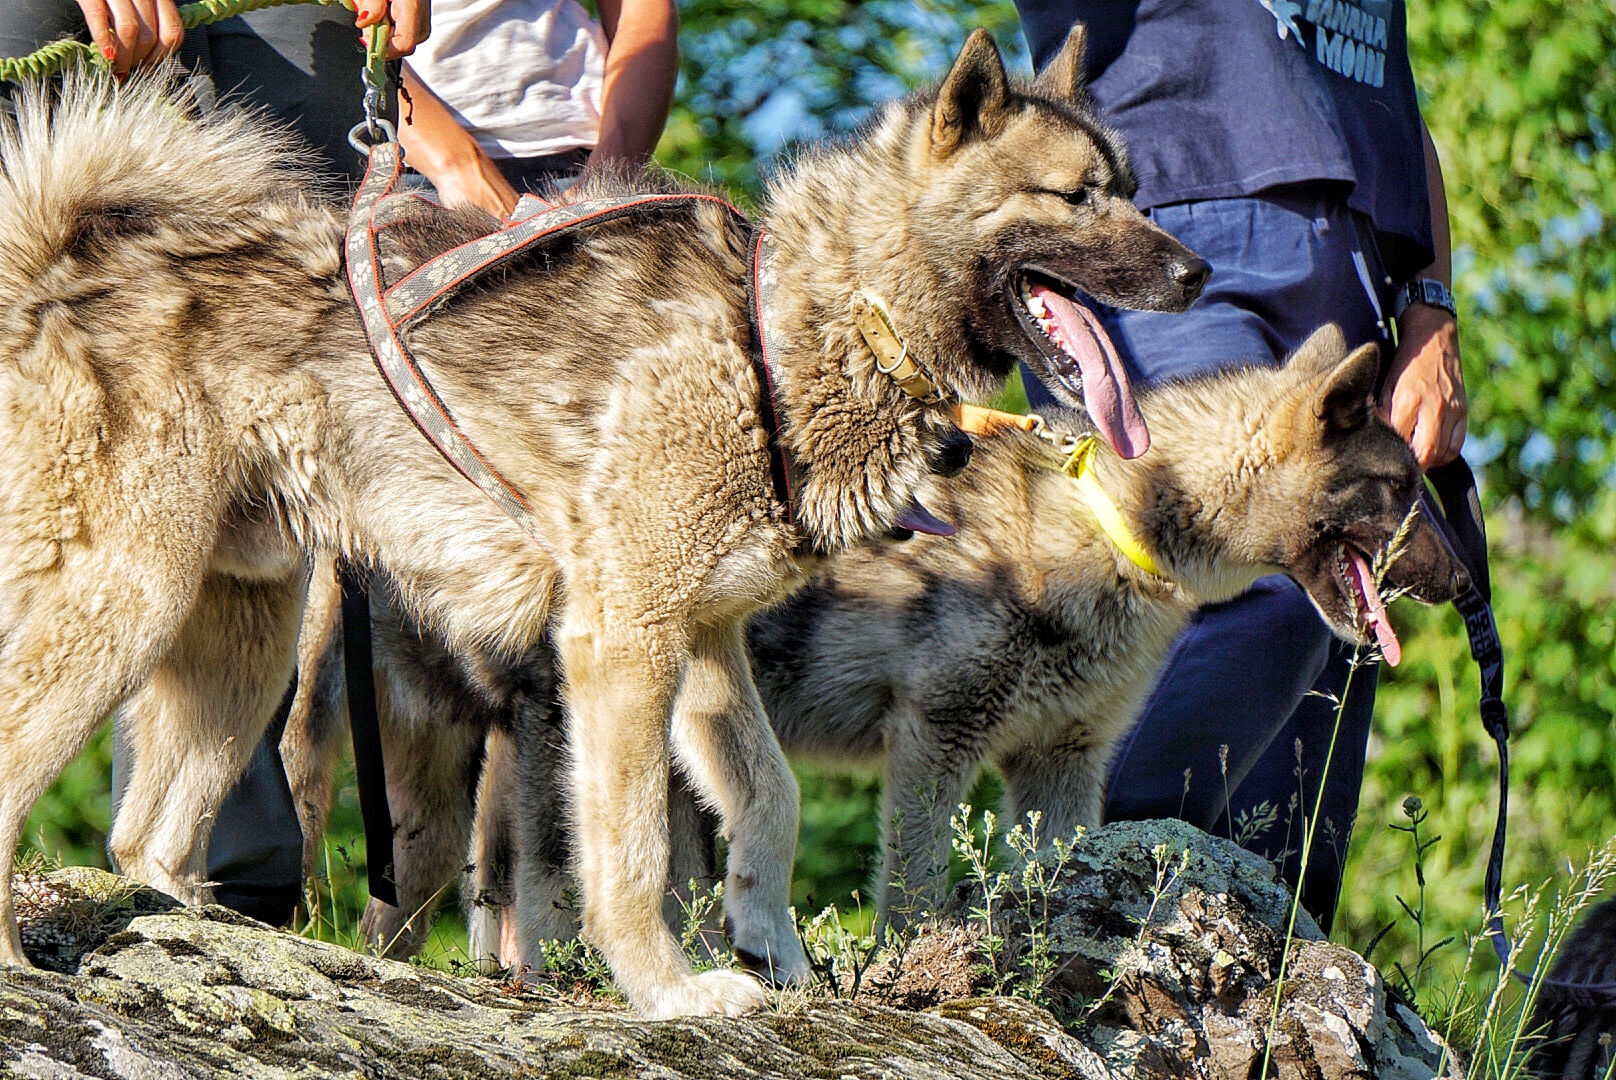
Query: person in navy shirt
(1282, 141)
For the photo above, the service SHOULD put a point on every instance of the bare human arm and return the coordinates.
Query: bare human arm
(436, 146)
(642, 66)
(1424, 395)
(132, 33)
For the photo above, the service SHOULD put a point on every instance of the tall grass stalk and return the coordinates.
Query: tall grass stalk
(1506, 1040)
(1309, 827)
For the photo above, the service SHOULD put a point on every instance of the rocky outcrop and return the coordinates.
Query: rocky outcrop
(1163, 948)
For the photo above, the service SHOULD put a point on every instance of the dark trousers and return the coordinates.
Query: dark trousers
(300, 65)
(1235, 735)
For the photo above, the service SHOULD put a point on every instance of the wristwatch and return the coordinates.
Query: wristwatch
(1424, 291)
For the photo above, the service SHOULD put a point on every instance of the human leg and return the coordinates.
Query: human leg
(1313, 749)
(302, 64)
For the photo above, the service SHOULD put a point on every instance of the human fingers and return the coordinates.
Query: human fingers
(412, 22)
(160, 31)
(115, 28)
(170, 30)
(411, 19)
(132, 32)
(1424, 396)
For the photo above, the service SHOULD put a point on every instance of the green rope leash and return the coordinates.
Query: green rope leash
(61, 55)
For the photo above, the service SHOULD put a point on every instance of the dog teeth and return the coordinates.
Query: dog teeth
(1035, 304)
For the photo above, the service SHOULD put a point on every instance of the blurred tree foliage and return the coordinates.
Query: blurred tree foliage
(1520, 96)
(757, 77)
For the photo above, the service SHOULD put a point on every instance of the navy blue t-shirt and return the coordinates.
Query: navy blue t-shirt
(1224, 98)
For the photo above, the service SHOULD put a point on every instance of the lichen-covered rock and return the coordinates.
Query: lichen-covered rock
(1164, 945)
(205, 993)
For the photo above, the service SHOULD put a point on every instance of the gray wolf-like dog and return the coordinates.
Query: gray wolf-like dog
(1028, 640)
(191, 413)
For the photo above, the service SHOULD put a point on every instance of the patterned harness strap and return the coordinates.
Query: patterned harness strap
(388, 314)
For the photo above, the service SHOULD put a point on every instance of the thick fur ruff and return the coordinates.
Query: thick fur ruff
(192, 417)
(1027, 640)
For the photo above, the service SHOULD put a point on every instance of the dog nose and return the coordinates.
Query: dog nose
(1192, 275)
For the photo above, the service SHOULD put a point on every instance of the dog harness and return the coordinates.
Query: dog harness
(389, 313)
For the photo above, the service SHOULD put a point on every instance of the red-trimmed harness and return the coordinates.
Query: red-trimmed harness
(390, 313)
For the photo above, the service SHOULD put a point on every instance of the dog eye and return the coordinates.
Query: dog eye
(1076, 198)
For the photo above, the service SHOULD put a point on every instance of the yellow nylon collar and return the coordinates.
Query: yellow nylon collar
(1080, 466)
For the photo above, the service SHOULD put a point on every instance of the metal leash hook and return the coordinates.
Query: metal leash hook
(375, 129)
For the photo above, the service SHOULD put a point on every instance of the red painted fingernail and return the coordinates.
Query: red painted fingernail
(109, 52)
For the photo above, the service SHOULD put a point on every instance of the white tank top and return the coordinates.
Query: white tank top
(522, 76)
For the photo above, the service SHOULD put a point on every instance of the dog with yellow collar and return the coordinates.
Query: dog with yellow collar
(1031, 637)
(1028, 637)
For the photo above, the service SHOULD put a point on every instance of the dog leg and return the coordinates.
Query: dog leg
(725, 744)
(534, 801)
(485, 885)
(432, 764)
(63, 667)
(926, 779)
(194, 725)
(621, 672)
(317, 725)
(1065, 783)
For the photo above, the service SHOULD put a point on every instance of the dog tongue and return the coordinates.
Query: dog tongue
(918, 519)
(1363, 579)
(1106, 393)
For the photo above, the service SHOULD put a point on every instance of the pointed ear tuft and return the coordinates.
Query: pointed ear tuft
(1346, 402)
(1063, 77)
(1322, 350)
(973, 98)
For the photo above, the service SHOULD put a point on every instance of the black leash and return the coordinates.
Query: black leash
(369, 773)
(1455, 486)
(1462, 523)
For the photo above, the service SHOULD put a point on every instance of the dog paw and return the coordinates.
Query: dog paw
(776, 958)
(712, 993)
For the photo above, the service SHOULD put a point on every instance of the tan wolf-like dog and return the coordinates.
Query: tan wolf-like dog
(191, 412)
(1028, 639)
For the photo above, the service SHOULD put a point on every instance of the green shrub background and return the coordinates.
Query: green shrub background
(1520, 96)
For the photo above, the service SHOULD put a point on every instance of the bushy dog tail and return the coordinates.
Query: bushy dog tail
(89, 159)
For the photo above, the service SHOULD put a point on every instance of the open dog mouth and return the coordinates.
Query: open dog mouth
(1357, 580)
(1082, 356)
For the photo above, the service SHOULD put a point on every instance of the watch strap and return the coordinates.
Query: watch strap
(1426, 291)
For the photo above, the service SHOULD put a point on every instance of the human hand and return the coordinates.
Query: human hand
(478, 182)
(1424, 395)
(131, 33)
(412, 22)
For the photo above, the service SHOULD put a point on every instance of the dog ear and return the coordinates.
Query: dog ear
(1063, 77)
(1321, 352)
(1346, 402)
(974, 96)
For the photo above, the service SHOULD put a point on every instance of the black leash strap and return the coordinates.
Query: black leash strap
(369, 772)
(1455, 486)
(1462, 523)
